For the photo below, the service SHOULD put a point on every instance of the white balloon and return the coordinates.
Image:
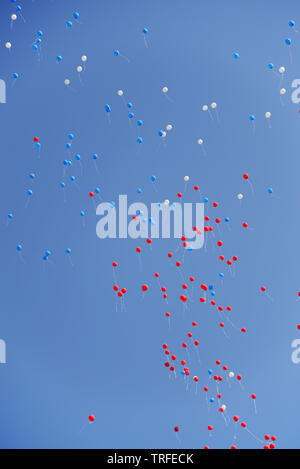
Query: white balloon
(169, 127)
(200, 141)
(267, 115)
(186, 178)
(84, 58)
(79, 69)
(164, 134)
(120, 93)
(213, 105)
(231, 374)
(281, 69)
(224, 407)
(67, 82)
(165, 89)
(166, 202)
(13, 17)
(282, 91)
(205, 107)
(240, 196)
(8, 45)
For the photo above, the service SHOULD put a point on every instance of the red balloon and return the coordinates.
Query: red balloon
(92, 418)
(36, 139)
(145, 287)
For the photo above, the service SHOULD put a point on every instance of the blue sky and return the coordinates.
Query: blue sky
(69, 352)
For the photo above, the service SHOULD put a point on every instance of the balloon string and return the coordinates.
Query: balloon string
(254, 436)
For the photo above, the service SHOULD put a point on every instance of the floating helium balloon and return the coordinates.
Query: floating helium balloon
(145, 31)
(117, 54)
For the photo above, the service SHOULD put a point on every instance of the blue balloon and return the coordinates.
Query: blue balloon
(38, 145)
(139, 191)
(131, 115)
(252, 117)
(71, 136)
(116, 53)
(139, 140)
(82, 213)
(38, 41)
(129, 105)
(221, 275)
(19, 8)
(62, 184)
(77, 157)
(210, 372)
(29, 192)
(76, 15)
(32, 176)
(72, 178)
(211, 287)
(288, 41)
(59, 58)
(35, 47)
(291, 23)
(205, 200)
(270, 190)
(68, 251)
(10, 216)
(68, 145)
(236, 55)
(40, 33)
(213, 293)
(270, 66)
(69, 24)
(140, 123)
(160, 133)
(19, 247)
(107, 108)
(15, 75)
(227, 219)
(97, 190)
(95, 156)
(153, 178)
(211, 399)
(145, 30)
